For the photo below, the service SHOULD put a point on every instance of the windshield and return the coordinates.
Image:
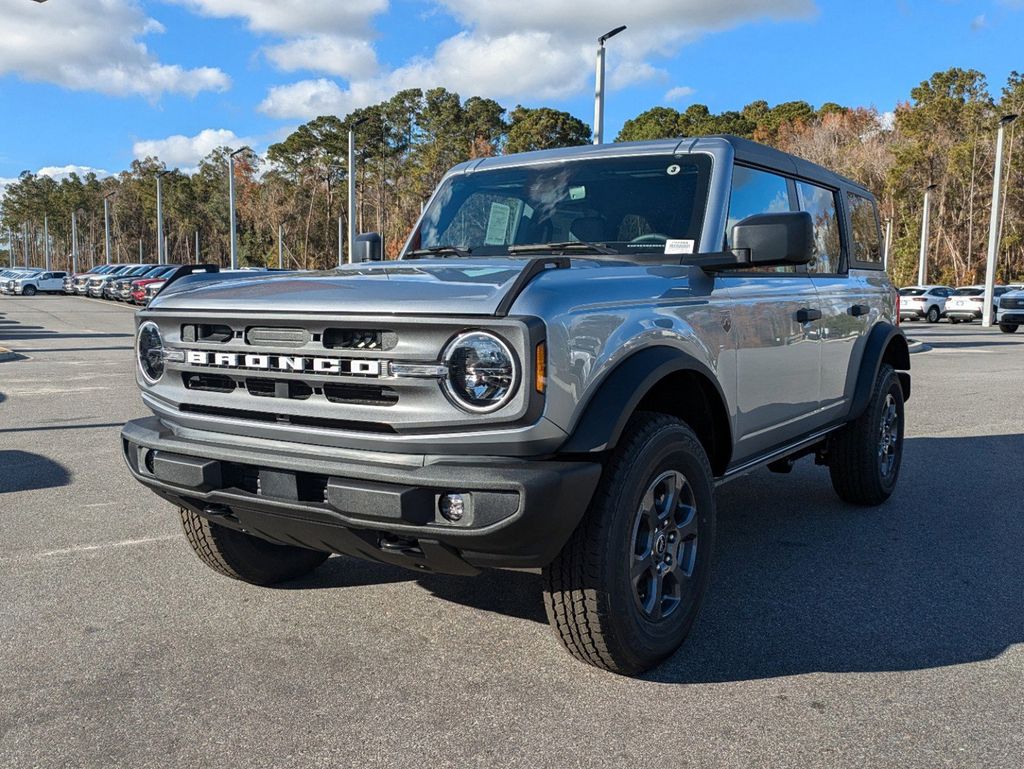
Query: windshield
(635, 205)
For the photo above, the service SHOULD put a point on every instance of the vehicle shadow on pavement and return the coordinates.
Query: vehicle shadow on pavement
(25, 471)
(804, 583)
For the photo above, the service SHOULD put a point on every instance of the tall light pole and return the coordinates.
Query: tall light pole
(10, 246)
(888, 244)
(24, 241)
(599, 89)
(106, 224)
(352, 188)
(74, 240)
(993, 229)
(231, 203)
(161, 256)
(922, 262)
(46, 242)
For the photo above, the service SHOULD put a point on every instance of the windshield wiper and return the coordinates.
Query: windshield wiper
(440, 251)
(569, 245)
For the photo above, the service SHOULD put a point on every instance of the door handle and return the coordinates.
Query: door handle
(859, 309)
(807, 314)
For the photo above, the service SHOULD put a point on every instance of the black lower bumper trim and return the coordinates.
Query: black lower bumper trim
(515, 513)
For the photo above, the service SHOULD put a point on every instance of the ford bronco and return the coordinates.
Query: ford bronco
(574, 349)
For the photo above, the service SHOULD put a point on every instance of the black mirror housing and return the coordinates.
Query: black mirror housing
(776, 239)
(368, 248)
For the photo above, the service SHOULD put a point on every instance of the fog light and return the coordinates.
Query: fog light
(453, 507)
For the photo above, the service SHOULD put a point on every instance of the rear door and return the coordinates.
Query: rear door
(845, 299)
(776, 335)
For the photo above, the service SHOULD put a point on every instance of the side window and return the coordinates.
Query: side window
(865, 234)
(820, 203)
(756, 192)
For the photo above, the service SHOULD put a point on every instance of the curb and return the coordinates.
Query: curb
(915, 345)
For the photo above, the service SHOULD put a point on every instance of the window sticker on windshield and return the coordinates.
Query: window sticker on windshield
(679, 246)
(673, 169)
(577, 193)
(497, 224)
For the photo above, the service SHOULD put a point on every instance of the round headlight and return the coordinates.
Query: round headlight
(150, 351)
(482, 373)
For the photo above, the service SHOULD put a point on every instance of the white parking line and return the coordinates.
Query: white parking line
(105, 546)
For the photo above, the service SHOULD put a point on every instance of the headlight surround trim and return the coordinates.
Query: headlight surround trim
(459, 396)
(143, 349)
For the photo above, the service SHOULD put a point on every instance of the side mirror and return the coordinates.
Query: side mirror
(764, 240)
(776, 239)
(368, 248)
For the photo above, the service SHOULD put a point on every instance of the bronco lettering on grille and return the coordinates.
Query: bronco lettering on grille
(265, 362)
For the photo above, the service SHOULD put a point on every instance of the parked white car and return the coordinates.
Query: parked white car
(12, 276)
(967, 302)
(45, 282)
(924, 302)
(1010, 314)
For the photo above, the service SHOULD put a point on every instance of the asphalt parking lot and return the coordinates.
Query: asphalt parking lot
(832, 636)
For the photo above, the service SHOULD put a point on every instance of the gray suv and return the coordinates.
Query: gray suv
(576, 347)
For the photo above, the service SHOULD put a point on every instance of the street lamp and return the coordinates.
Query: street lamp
(352, 188)
(993, 230)
(161, 257)
(922, 263)
(106, 224)
(231, 203)
(599, 90)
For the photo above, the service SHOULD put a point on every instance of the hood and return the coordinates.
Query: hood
(434, 287)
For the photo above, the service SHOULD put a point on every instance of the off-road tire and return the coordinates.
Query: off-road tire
(854, 458)
(245, 557)
(933, 316)
(589, 595)
(1008, 328)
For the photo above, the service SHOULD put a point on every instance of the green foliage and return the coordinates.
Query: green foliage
(544, 129)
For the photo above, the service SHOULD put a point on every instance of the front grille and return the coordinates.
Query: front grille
(1012, 303)
(358, 339)
(206, 333)
(287, 419)
(214, 383)
(277, 337)
(367, 395)
(278, 388)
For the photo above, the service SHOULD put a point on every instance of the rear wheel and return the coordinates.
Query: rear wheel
(626, 589)
(245, 557)
(933, 314)
(1008, 328)
(864, 457)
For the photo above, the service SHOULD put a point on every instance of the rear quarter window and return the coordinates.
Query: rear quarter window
(865, 232)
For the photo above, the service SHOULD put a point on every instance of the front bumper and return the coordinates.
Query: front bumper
(519, 513)
(1011, 317)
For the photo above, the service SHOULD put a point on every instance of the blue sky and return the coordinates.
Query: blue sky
(95, 83)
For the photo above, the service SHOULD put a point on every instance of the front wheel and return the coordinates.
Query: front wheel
(626, 589)
(1008, 328)
(933, 314)
(29, 291)
(244, 557)
(864, 457)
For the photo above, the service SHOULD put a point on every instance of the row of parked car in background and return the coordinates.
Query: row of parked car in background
(134, 283)
(963, 305)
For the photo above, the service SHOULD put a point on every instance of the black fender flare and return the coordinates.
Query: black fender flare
(617, 396)
(883, 337)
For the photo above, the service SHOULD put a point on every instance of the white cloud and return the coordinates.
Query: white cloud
(331, 54)
(62, 172)
(979, 22)
(294, 17)
(324, 36)
(186, 151)
(679, 93)
(93, 45)
(528, 51)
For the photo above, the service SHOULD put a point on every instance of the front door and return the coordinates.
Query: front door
(776, 330)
